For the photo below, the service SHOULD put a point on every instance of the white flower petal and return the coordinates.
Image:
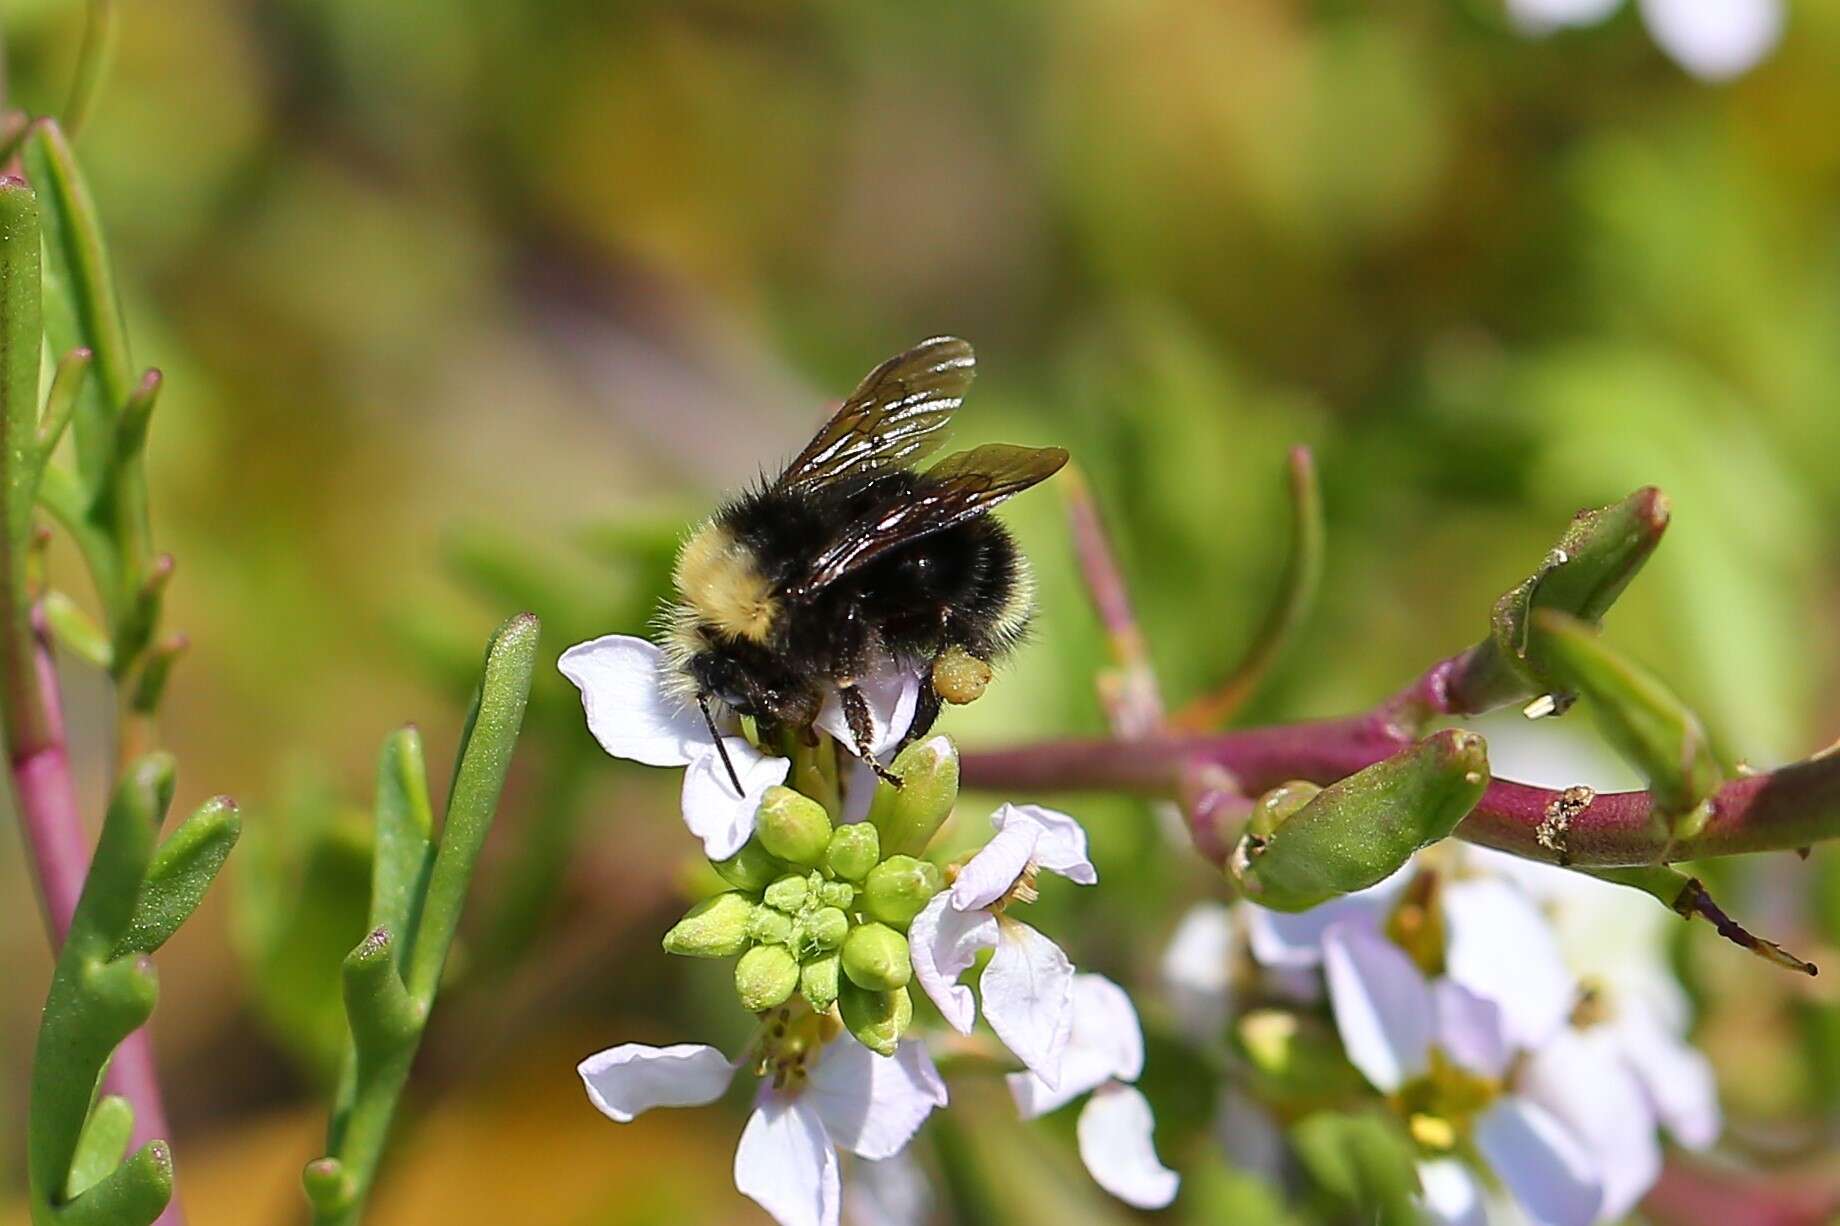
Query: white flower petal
(872, 1105)
(1382, 1005)
(1545, 16)
(1502, 948)
(1469, 1029)
(1197, 970)
(1714, 40)
(1581, 1079)
(892, 1192)
(1105, 1043)
(1451, 1195)
(1676, 1076)
(629, 711)
(858, 789)
(712, 810)
(1294, 939)
(944, 943)
(1061, 846)
(786, 1163)
(1549, 1172)
(892, 695)
(989, 874)
(1117, 1145)
(1028, 997)
(631, 1078)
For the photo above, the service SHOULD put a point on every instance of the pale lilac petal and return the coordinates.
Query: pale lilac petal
(858, 789)
(1548, 1171)
(1714, 40)
(1450, 1194)
(892, 696)
(1469, 1029)
(787, 1165)
(1116, 1133)
(1028, 997)
(943, 944)
(1545, 16)
(1105, 1043)
(631, 1078)
(892, 1192)
(1676, 1076)
(989, 874)
(1197, 970)
(872, 1105)
(1061, 846)
(1581, 1079)
(630, 711)
(1294, 939)
(1502, 948)
(715, 814)
(1383, 1007)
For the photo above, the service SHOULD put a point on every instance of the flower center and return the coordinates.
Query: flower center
(1440, 1107)
(789, 1043)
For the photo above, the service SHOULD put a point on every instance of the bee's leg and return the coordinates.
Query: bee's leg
(862, 731)
(926, 712)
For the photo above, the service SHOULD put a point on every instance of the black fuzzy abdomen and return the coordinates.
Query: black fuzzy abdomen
(953, 588)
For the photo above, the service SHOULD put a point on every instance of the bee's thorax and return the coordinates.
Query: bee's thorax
(719, 578)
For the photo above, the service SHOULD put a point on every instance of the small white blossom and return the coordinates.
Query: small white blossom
(1028, 985)
(1197, 971)
(1714, 40)
(1104, 1055)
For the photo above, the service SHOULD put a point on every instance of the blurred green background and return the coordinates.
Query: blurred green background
(468, 306)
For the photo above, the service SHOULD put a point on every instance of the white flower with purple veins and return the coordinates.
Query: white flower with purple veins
(1103, 1057)
(1714, 40)
(637, 711)
(1028, 986)
(826, 1092)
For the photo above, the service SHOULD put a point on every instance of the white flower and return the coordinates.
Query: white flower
(1714, 40)
(1104, 1055)
(1197, 971)
(1028, 985)
(827, 1095)
(636, 712)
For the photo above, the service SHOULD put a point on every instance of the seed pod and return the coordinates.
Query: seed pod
(751, 869)
(793, 826)
(898, 887)
(876, 957)
(853, 851)
(907, 818)
(714, 928)
(877, 1019)
(765, 976)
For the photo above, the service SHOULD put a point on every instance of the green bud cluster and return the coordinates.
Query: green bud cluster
(822, 910)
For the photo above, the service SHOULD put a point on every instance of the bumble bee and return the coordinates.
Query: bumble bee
(851, 560)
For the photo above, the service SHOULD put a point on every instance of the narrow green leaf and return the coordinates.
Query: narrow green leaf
(20, 345)
(75, 630)
(405, 839)
(180, 873)
(61, 401)
(104, 1141)
(383, 1019)
(133, 1194)
(111, 891)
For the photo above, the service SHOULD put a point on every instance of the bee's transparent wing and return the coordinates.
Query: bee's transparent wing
(964, 484)
(896, 416)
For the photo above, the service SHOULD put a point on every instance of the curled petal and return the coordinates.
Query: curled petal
(786, 1164)
(1714, 41)
(630, 712)
(943, 944)
(1383, 1007)
(872, 1105)
(1502, 949)
(1117, 1145)
(1061, 845)
(989, 874)
(632, 1078)
(892, 695)
(1105, 1043)
(1549, 1173)
(1197, 969)
(712, 810)
(1451, 1196)
(1028, 998)
(1469, 1029)
(1581, 1079)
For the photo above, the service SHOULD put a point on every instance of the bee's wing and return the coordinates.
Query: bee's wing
(896, 416)
(964, 484)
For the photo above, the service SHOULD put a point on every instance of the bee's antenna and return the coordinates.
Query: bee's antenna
(702, 700)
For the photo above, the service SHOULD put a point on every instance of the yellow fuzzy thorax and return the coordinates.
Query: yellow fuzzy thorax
(720, 581)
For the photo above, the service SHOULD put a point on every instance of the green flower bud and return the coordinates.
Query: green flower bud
(793, 826)
(877, 1019)
(765, 976)
(788, 894)
(750, 869)
(907, 818)
(1276, 806)
(854, 850)
(818, 981)
(839, 894)
(899, 887)
(827, 927)
(769, 927)
(714, 928)
(1356, 832)
(875, 956)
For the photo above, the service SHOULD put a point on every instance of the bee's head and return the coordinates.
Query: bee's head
(750, 682)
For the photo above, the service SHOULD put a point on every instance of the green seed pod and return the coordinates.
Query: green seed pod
(765, 976)
(839, 894)
(907, 818)
(714, 928)
(793, 826)
(1358, 831)
(877, 1019)
(818, 981)
(827, 927)
(769, 927)
(898, 887)
(854, 850)
(876, 957)
(788, 894)
(751, 869)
